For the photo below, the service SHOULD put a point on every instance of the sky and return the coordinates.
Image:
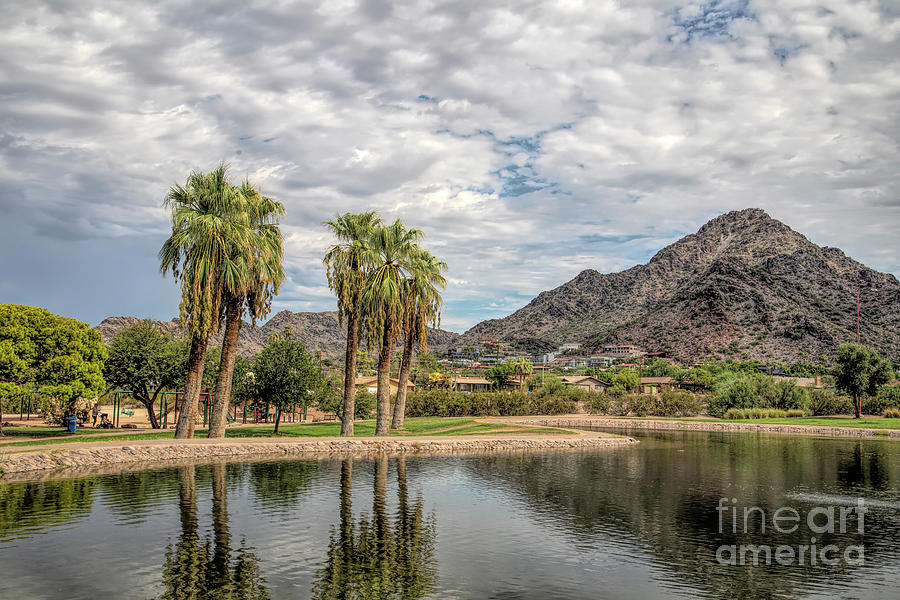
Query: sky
(529, 140)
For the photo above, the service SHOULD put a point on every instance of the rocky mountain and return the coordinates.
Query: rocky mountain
(319, 331)
(744, 286)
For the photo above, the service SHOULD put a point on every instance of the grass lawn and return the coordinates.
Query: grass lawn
(429, 426)
(47, 431)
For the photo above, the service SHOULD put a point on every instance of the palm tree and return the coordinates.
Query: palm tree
(522, 368)
(207, 218)
(421, 306)
(252, 276)
(347, 269)
(391, 249)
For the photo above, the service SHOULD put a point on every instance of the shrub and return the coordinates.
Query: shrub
(795, 412)
(444, 403)
(757, 413)
(788, 396)
(892, 413)
(363, 404)
(677, 403)
(823, 402)
(732, 393)
(599, 404)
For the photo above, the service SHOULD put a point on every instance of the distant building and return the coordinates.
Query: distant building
(600, 361)
(804, 382)
(585, 382)
(569, 346)
(370, 382)
(470, 384)
(622, 351)
(653, 385)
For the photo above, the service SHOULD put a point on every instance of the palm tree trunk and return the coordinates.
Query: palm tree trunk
(233, 310)
(383, 416)
(221, 575)
(184, 429)
(402, 380)
(350, 374)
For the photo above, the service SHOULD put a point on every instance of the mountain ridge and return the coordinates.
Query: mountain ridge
(744, 283)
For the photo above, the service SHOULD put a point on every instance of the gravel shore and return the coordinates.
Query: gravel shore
(671, 425)
(151, 451)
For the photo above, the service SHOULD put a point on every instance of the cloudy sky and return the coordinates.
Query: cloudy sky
(529, 139)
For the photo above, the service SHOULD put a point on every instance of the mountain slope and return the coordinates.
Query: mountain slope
(319, 331)
(745, 285)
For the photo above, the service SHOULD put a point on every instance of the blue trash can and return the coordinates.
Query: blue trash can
(71, 424)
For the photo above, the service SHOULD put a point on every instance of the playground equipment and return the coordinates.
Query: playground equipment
(259, 414)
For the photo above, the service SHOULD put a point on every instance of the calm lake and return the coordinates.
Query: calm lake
(649, 521)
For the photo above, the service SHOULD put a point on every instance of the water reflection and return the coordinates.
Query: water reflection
(658, 503)
(630, 523)
(377, 558)
(198, 568)
(25, 508)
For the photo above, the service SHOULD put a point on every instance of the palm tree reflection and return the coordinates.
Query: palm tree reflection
(378, 558)
(198, 569)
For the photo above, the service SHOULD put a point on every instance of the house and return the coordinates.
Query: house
(654, 385)
(585, 382)
(370, 382)
(470, 384)
(623, 351)
(804, 382)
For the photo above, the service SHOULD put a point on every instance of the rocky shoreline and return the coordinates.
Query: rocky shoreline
(666, 425)
(23, 463)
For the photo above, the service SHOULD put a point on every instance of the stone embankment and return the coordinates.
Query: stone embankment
(236, 449)
(671, 425)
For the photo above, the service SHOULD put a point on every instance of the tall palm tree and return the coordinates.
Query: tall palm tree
(347, 268)
(522, 368)
(421, 306)
(207, 217)
(391, 250)
(252, 276)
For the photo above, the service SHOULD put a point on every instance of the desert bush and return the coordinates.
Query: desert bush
(599, 404)
(892, 413)
(788, 396)
(677, 403)
(445, 403)
(795, 412)
(822, 402)
(732, 393)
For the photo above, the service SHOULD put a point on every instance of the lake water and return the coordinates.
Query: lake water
(641, 522)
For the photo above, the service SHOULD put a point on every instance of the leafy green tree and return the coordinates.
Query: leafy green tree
(859, 371)
(347, 265)
(629, 379)
(146, 362)
(252, 275)
(500, 375)
(421, 306)
(60, 358)
(390, 252)
(207, 214)
(285, 374)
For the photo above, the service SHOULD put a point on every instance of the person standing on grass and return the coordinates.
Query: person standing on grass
(94, 412)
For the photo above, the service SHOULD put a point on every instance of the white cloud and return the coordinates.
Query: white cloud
(529, 142)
